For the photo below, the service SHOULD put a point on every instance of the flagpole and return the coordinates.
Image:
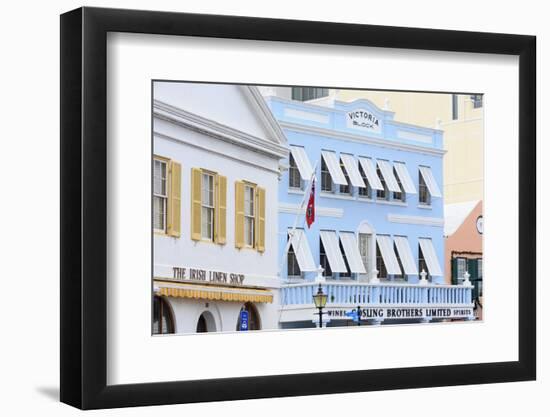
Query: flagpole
(293, 230)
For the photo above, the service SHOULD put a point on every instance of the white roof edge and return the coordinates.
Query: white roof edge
(455, 214)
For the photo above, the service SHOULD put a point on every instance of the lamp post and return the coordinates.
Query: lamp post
(320, 300)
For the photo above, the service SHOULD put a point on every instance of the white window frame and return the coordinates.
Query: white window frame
(249, 216)
(293, 170)
(207, 207)
(160, 196)
(422, 185)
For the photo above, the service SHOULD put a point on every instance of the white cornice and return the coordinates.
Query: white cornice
(262, 110)
(320, 211)
(361, 139)
(211, 128)
(420, 220)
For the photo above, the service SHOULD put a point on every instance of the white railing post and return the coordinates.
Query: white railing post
(423, 275)
(466, 279)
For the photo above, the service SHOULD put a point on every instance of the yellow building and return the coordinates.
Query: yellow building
(461, 119)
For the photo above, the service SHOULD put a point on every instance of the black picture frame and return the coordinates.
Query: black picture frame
(84, 207)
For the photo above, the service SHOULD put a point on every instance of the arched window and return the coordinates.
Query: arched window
(253, 317)
(163, 322)
(206, 323)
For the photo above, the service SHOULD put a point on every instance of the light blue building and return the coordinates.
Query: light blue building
(378, 215)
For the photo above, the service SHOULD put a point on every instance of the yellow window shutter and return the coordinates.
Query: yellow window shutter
(196, 178)
(174, 204)
(239, 214)
(221, 210)
(260, 219)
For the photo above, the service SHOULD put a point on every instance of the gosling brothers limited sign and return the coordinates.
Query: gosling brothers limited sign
(401, 313)
(362, 119)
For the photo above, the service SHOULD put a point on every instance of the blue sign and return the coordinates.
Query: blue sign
(353, 315)
(244, 320)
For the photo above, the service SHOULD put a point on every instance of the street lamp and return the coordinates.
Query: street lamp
(320, 300)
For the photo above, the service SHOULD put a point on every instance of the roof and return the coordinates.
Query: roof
(455, 214)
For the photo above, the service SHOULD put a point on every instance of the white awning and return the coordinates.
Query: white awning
(387, 173)
(332, 249)
(430, 181)
(334, 168)
(385, 243)
(299, 243)
(370, 172)
(405, 254)
(353, 170)
(405, 177)
(302, 162)
(428, 250)
(349, 243)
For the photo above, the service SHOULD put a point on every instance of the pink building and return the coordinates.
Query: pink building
(464, 247)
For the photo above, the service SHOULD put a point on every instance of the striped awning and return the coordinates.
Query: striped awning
(213, 293)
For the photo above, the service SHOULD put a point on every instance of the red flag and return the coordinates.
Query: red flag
(310, 212)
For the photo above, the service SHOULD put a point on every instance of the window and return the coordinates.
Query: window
(401, 195)
(364, 191)
(477, 99)
(422, 265)
(346, 274)
(424, 196)
(308, 93)
(455, 107)
(294, 178)
(381, 194)
(461, 268)
(249, 215)
(345, 189)
(323, 260)
(207, 206)
(364, 249)
(160, 195)
(326, 179)
(402, 275)
(380, 265)
(293, 269)
(163, 322)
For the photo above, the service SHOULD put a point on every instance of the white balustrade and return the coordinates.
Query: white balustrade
(360, 293)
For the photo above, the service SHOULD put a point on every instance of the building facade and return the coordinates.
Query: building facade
(464, 247)
(459, 116)
(216, 167)
(377, 241)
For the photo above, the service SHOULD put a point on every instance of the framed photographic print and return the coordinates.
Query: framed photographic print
(258, 208)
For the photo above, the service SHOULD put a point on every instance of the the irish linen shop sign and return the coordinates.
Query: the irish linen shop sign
(363, 120)
(204, 275)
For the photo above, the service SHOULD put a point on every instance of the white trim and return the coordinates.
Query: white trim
(386, 143)
(430, 256)
(351, 248)
(387, 172)
(332, 250)
(333, 166)
(385, 243)
(327, 194)
(302, 162)
(420, 220)
(260, 107)
(370, 171)
(430, 181)
(184, 140)
(352, 169)
(319, 211)
(180, 117)
(299, 243)
(405, 254)
(405, 177)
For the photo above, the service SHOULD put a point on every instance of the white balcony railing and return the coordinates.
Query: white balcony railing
(365, 294)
